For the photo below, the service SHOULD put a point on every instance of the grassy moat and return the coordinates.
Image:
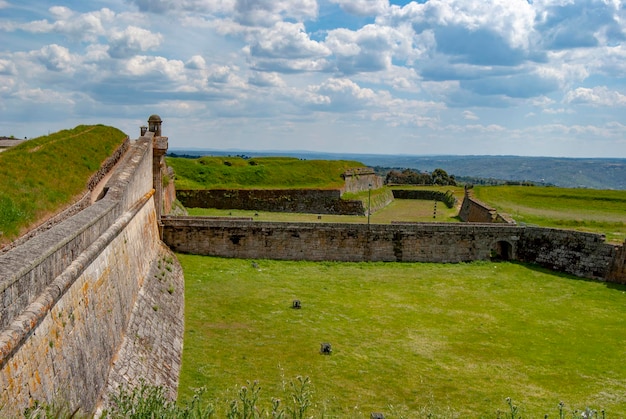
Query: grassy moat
(408, 339)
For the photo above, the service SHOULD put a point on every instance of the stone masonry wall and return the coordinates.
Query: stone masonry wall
(71, 332)
(426, 242)
(313, 201)
(581, 254)
(474, 211)
(360, 179)
(67, 297)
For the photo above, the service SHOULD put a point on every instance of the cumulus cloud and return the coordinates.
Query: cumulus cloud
(341, 94)
(597, 96)
(7, 68)
(268, 12)
(196, 63)
(496, 32)
(286, 40)
(131, 41)
(154, 67)
(371, 48)
(56, 58)
(76, 26)
(363, 7)
(580, 24)
(40, 95)
(262, 79)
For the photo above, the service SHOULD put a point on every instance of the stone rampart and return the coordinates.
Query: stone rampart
(67, 294)
(444, 197)
(313, 201)
(581, 254)
(426, 242)
(577, 253)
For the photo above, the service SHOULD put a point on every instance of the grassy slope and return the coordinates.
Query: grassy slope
(453, 340)
(43, 175)
(601, 211)
(259, 172)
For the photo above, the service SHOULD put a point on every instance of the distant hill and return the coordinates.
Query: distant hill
(593, 173)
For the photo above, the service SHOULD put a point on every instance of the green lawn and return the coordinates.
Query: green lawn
(399, 210)
(408, 339)
(594, 210)
(211, 172)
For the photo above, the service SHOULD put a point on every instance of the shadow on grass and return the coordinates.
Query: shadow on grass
(545, 270)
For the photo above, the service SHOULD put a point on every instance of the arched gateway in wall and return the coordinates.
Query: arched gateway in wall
(503, 250)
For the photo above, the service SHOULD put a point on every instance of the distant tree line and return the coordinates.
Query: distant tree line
(437, 177)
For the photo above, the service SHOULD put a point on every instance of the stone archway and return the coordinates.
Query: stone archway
(503, 250)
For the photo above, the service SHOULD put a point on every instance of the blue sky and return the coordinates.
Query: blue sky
(489, 77)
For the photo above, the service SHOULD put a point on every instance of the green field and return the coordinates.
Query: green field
(260, 172)
(43, 175)
(599, 211)
(399, 210)
(408, 339)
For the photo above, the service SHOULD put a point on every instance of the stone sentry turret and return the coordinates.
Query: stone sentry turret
(159, 148)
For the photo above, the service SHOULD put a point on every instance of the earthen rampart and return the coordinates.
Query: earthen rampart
(84, 202)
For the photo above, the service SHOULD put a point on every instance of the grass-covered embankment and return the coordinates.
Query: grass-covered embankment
(260, 172)
(43, 175)
(408, 339)
(593, 210)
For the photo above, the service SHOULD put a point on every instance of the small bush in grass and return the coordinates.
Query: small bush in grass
(148, 401)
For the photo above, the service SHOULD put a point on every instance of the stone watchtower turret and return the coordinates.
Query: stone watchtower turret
(159, 148)
(154, 125)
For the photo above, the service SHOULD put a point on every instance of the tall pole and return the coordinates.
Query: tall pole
(369, 204)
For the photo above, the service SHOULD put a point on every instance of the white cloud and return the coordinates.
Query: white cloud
(44, 96)
(153, 67)
(371, 48)
(263, 79)
(82, 27)
(57, 58)
(7, 67)
(61, 12)
(286, 40)
(268, 12)
(469, 115)
(131, 41)
(363, 7)
(196, 63)
(597, 96)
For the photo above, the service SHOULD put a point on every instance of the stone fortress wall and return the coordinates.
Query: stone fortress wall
(68, 297)
(314, 201)
(582, 254)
